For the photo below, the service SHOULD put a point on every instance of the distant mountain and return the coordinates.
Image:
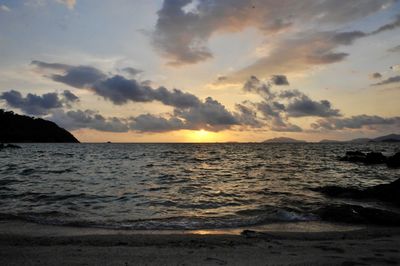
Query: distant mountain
(387, 138)
(19, 128)
(283, 140)
(360, 140)
(329, 141)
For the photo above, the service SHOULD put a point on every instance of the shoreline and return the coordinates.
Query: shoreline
(30, 244)
(32, 229)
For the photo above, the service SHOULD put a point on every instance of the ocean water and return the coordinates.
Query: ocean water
(179, 186)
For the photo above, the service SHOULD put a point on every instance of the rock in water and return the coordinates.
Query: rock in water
(386, 192)
(375, 158)
(359, 215)
(394, 161)
(369, 158)
(9, 146)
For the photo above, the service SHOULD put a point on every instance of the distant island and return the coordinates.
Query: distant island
(283, 140)
(386, 138)
(23, 129)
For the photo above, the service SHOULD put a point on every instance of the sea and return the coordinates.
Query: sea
(163, 186)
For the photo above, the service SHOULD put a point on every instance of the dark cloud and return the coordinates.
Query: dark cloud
(326, 58)
(254, 85)
(290, 94)
(181, 34)
(69, 96)
(296, 104)
(347, 38)
(152, 123)
(395, 79)
(277, 108)
(80, 76)
(280, 125)
(75, 76)
(275, 117)
(132, 71)
(269, 109)
(54, 66)
(389, 26)
(375, 75)
(210, 115)
(279, 80)
(304, 106)
(33, 104)
(118, 89)
(89, 119)
(355, 122)
(247, 116)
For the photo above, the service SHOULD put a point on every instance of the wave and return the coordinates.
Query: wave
(167, 223)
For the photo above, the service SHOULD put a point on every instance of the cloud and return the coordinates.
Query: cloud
(279, 125)
(375, 75)
(279, 80)
(54, 66)
(297, 53)
(133, 72)
(304, 106)
(277, 108)
(69, 96)
(247, 116)
(120, 90)
(79, 119)
(208, 115)
(80, 76)
(356, 122)
(181, 34)
(152, 123)
(69, 3)
(254, 85)
(33, 104)
(389, 26)
(395, 49)
(275, 117)
(293, 102)
(347, 38)
(4, 8)
(390, 80)
(117, 89)
(395, 68)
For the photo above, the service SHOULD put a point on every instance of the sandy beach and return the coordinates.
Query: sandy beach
(30, 244)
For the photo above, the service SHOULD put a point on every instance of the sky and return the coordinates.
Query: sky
(204, 70)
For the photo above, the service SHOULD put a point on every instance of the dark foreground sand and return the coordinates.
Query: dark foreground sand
(29, 244)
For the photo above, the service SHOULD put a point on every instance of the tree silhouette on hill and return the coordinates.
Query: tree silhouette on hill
(21, 128)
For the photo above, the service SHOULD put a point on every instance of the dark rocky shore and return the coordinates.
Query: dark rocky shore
(388, 194)
(371, 158)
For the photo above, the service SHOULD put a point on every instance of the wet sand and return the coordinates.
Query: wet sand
(30, 244)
